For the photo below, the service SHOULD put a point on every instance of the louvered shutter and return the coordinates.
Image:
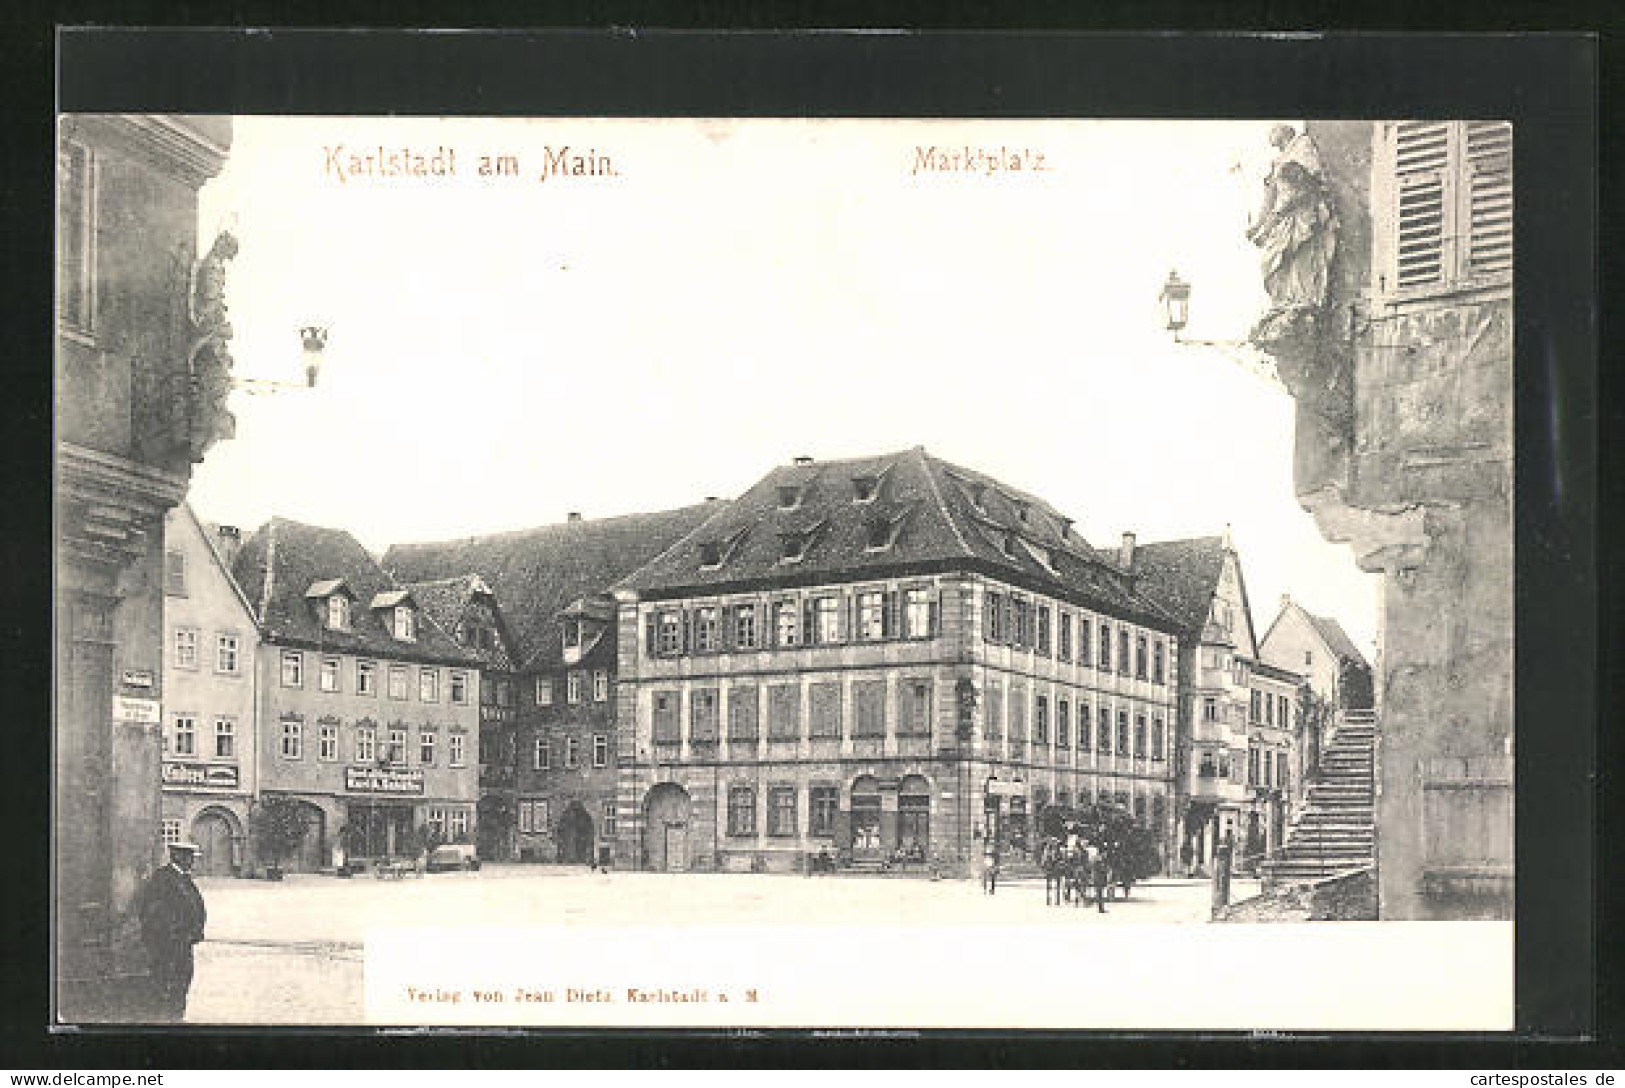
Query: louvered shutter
(1489, 197)
(809, 633)
(889, 625)
(727, 616)
(688, 630)
(1421, 160)
(651, 633)
(933, 626)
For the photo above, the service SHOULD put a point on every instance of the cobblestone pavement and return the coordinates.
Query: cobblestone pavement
(291, 952)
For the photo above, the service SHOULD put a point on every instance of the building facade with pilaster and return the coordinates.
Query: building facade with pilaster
(141, 372)
(886, 660)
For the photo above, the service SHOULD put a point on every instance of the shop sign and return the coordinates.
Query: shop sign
(209, 776)
(383, 780)
(129, 709)
(137, 678)
(995, 788)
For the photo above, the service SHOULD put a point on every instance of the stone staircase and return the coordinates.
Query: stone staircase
(1335, 831)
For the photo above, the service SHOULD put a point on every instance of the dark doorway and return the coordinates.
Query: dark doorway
(213, 832)
(575, 835)
(665, 828)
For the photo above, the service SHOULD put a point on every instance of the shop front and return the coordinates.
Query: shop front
(382, 823)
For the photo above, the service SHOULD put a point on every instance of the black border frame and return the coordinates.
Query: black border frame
(1547, 84)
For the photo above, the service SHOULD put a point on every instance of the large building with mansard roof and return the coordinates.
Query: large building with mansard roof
(888, 659)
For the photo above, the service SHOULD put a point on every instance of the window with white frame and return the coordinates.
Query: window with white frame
(330, 674)
(366, 744)
(600, 750)
(338, 612)
(1064, 643)
(572, 752)
(426, 747)
(459, 823)
(185, 647)
(227, 656)
(293, 669)
(611, 824)
(571, 629)
(781, 810)
(175, 573)
(786, 623)
(572, 688)
(459, 688)
(366, 678)
(744, 627)
(327, 744)
(456, 744)
(399, 679)
(395, 751)
(170, 830)
(185, 735)
(405, 625)
(741, 810)
(705, 629)
(600, 686)
(919, 613)
(429, 685)
(544, 691)
(225, 738)
(871, 616)
(293, 739)
(827, 620)
(669, 633)
(541, 754)
(435, 820)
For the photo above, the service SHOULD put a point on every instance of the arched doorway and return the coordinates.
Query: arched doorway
(865, 817)
(575, 835)
(310, 855)
(667, 816)
(216, 831)
(914, 817)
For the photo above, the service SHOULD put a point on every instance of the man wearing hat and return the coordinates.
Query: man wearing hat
(172, 916)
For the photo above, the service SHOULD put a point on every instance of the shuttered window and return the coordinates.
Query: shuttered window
(824, 706)
(1453, 185)
(742, 714)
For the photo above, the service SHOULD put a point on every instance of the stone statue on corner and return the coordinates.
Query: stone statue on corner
(1296, 228)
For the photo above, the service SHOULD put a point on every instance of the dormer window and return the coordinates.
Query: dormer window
(338, 612)
(572, 634)
(711, 553)
(864, 488)
(881, 533)
(789, 498)
(405, 623)
(1021, 511)
(792, 547)
(1009, 545)
(978, 496)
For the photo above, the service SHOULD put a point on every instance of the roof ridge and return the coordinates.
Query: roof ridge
(503, 534)
(270, 570)
(926, 465)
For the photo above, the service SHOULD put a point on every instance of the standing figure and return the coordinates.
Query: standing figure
(1185, 855)
(172, 916)
(1296, 225)
(1098, 874)
(990, 868)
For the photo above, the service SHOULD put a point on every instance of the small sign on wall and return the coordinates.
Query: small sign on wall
(137, 678)
(130, 709)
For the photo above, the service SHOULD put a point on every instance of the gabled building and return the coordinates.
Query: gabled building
(1237, 719)
(1319, 648)
(887, 658)
(211, 714)
(369, 711)
(467, 608)
(549, 789)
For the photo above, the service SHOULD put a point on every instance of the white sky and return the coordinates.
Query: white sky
(503, 352)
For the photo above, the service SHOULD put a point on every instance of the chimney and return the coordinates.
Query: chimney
(804, 460)
(574, 515)
(1229, 541)
(228, 541)
(1286, 599)
(1125, 557)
